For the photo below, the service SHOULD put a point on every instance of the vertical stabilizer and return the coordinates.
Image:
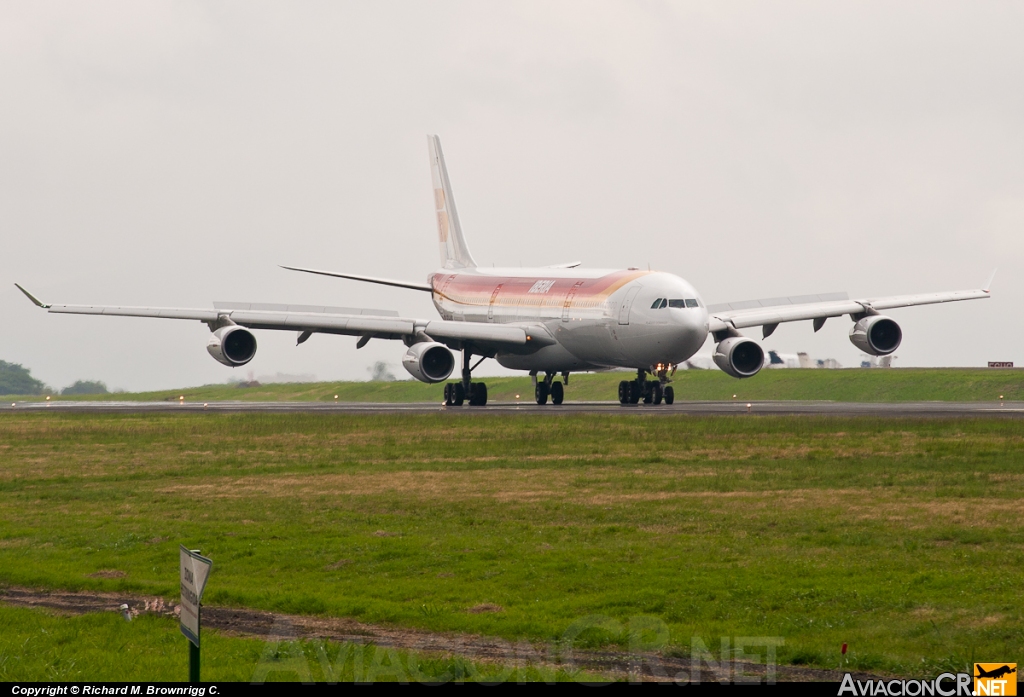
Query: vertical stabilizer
(454, 252)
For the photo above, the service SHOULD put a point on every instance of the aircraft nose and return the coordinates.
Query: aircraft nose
(690, 326)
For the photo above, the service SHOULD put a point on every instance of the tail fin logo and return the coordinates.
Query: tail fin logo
(442, 215)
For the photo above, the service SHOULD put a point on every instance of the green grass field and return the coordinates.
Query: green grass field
(853, 385)
(902, 538)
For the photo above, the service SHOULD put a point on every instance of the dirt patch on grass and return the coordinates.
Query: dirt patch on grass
(602, 486)
(782, 499)
(484, 607)
(277, 627)
(108, 573)
(432, 485)
(44, 453)
(916, 514)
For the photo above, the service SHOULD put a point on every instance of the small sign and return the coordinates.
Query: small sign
(1000, 364)
(195, 569)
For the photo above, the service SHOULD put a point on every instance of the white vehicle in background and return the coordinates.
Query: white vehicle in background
(869, 361)
(549, 320)
(774, 359)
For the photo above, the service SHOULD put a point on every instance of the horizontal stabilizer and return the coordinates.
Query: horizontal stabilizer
(367, 279)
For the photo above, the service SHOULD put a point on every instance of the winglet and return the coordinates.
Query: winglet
(988, 286)
(34, 299)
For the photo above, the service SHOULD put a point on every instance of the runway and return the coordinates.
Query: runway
(874, 409)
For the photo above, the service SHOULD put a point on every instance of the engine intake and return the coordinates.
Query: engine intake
(876, 335)
(233, 346)
(429, 361)
(739, 356)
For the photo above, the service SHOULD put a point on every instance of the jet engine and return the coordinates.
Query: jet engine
(739, 356)
(876, 335)
(429, 361)
(233, 346)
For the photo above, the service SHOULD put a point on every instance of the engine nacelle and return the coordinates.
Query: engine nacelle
(429, 361)
(876, 335)
(233, 346)
(739, 356)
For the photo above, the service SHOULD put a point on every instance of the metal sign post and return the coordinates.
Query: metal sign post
(195, 569)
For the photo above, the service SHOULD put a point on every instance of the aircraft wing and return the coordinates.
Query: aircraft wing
(377, 324)
(770, 313)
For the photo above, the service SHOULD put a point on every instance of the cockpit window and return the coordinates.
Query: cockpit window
(664, 302)
(657, 304)
(681, 302)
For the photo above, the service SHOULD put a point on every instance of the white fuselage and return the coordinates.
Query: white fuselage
(598, 318)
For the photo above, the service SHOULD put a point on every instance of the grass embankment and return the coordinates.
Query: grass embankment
(852, 385)
(903, 538)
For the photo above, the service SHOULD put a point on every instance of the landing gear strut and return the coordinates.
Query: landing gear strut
(456, 393)
(650, 391)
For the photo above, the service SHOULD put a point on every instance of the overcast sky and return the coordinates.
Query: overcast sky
(173, 153)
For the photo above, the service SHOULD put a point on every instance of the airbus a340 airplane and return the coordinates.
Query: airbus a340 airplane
(548, 321)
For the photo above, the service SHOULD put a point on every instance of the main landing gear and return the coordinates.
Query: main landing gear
(650, 391)
(457, 393)
(549, 387)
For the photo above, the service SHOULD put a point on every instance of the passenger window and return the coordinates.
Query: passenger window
(657, 304)
(677, 303)
(691, 302)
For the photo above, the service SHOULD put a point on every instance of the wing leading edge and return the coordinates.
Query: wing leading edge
(767, 316)
(354, 322)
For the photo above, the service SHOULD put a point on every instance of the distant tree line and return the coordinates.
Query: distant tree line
(381, 372)
(17, 379)
(86, 387)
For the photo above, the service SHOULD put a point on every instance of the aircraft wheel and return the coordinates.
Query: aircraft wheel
(557, 393)
(670, 394)
(636, 391)
(624, 392)
(478, 394)
(447, 394)
(458, 394)
(541, 393)
(648, 392)
(656, 393)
